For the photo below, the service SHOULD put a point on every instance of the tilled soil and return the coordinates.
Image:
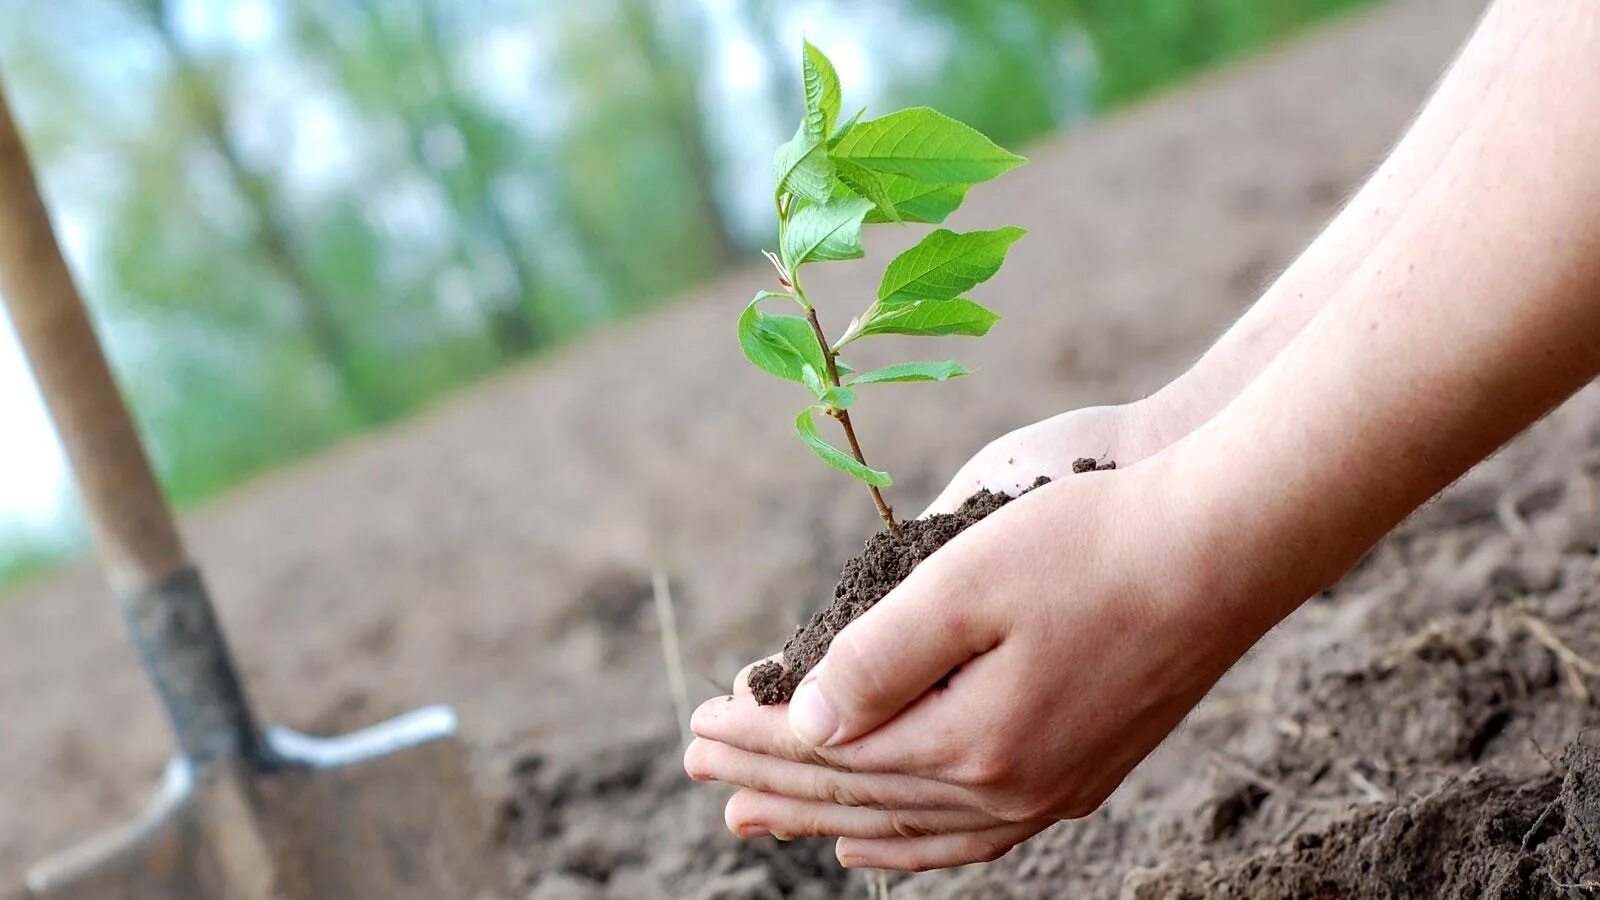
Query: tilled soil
(1413, 733)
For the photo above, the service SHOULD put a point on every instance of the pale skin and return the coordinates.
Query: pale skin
(1454, 301)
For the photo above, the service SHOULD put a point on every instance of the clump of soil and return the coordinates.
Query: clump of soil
(868, 578)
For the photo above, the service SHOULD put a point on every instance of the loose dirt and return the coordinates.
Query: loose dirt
(1418, 731)
(885, 562)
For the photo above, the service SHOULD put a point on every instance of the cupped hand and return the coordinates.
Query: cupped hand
(1123, 434)
(1081, 623)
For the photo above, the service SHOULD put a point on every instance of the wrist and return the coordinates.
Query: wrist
(1172, 413)
(1258, 543)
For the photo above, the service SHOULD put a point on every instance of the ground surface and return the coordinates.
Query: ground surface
(495, 554)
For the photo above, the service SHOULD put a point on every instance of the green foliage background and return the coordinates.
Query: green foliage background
(304, 218)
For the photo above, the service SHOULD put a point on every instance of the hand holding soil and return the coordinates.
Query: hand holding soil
(1076, 650)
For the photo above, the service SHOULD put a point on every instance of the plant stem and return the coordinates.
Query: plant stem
(828, 355)
(843, 415)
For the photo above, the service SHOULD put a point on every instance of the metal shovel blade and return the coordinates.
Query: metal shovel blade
(386, 812)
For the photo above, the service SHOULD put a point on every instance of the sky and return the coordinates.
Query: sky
(33, 472)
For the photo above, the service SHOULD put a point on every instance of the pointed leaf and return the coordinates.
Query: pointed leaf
(821, 231)
(926, 145)
(918, 202)
(779, 345)
(868, 184)
(946, 264)
(823, 96)
(835, 457)
(801, 168)
(912, 371)
(829, 395)
(929, 318)
(842, 130)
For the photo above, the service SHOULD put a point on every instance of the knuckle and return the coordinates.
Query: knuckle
(830, 790)
(985, 769)
(1013, 808)
(906, 825)
(1081, 805)
(982, 849)
(1017, 802)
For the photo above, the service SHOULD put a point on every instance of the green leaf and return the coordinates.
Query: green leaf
(821, 231)
(913, 371)
(784, 346)
(918, 202)
(946, 264)
(926, 145)
(802, 168)
(868, 184)
(835, 457)
(928, 318)
(835, 397)
(823, 96)
(842, 130)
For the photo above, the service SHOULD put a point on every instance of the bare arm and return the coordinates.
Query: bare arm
(1361, 225)
(1138, 430)
(1475, 315)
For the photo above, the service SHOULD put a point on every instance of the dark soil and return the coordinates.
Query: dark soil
(1483, 834)
(868, 578)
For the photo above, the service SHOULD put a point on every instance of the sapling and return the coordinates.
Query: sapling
(833, 178)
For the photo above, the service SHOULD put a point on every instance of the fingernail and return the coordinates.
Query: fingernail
(851, 861)
(754, 831)
(783, 837)
(809, 716)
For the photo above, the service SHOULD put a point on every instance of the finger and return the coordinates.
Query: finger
(919, 854)
(895, 651)
(710, 761)
(739, 721)
(757, 812)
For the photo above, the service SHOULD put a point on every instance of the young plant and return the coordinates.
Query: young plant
(914, 165)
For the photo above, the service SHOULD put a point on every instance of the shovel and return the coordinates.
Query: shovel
(245, 812)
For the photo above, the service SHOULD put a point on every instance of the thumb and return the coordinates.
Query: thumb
(891, 655)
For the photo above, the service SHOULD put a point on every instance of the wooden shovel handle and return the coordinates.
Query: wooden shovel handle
(132, 526)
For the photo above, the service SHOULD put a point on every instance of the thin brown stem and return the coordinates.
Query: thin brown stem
(843, 415)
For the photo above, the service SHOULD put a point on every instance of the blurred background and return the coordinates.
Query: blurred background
(296, 221)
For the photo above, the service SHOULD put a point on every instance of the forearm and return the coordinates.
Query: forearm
(1476, 314)
(1360, 226)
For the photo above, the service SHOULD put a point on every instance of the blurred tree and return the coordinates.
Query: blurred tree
(673, 69)
(201, 89)
(393, 60)
(998, 49)
(1144, 44)
(650, 223)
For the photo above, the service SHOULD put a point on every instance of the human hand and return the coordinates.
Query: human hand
(1085, 618)
(1125, 434)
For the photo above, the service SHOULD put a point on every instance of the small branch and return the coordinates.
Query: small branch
(884, 512)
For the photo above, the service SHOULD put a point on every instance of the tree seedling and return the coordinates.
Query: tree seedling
(914, 165)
